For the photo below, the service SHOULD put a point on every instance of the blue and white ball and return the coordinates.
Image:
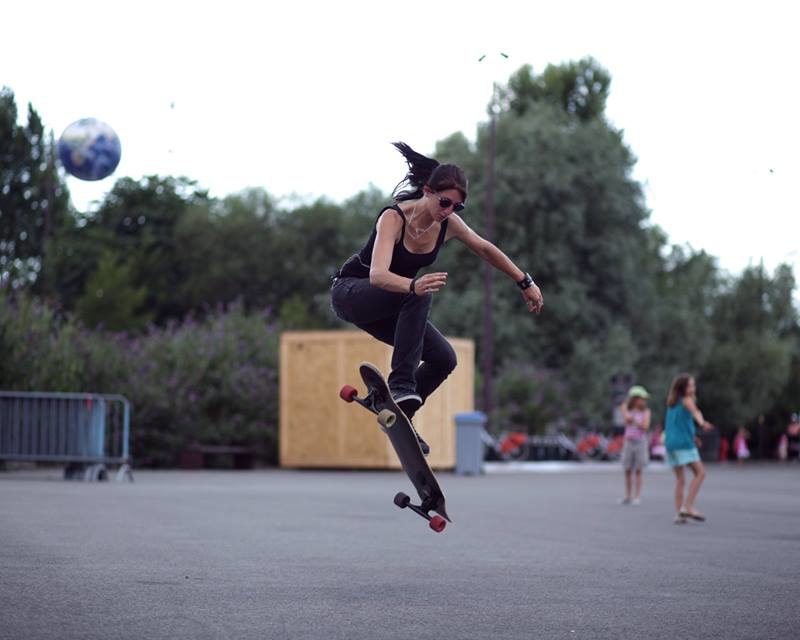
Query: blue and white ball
(89, 149)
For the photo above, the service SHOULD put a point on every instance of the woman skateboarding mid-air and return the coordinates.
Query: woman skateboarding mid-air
(379, 290)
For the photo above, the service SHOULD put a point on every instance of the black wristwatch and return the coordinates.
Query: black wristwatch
(526, 282)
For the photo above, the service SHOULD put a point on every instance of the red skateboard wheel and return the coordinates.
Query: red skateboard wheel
(438, 524)
(348, 393)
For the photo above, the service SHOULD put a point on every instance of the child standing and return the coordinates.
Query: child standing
(740, 445)
(636, 416)
(682, 413)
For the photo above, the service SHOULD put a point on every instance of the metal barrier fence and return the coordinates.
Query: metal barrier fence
(85, 431)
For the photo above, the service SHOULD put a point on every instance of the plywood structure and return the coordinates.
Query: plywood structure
(319, 430)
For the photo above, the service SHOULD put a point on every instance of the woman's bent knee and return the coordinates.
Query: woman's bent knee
(450, 359)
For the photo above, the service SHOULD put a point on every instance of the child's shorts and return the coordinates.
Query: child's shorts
(681, 457)
(634, 454)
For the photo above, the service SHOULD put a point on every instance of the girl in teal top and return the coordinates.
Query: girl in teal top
(679, 440)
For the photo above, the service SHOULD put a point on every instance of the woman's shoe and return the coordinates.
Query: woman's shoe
(409, 403)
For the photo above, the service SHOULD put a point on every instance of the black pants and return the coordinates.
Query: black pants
(400, 320)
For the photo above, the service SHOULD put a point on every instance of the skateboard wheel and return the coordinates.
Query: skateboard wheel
(348, 393)
(402, 500)
(386, 418)
(438, 524)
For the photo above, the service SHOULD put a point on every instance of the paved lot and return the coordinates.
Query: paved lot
(291, 554)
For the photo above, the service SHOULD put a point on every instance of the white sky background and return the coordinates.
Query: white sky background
(304, 97)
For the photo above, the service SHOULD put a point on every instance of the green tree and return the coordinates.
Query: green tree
(578, 88)
(677, 334)
(227, 252)
(744, 379)
(750, 366)
(246, 248)
(136, 222)
(143, 217)
(110, 300)
(33, 197)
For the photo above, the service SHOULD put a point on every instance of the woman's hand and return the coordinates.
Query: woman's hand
(430, 283)
(533, 298)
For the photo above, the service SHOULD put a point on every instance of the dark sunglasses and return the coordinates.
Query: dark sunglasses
(444, 203)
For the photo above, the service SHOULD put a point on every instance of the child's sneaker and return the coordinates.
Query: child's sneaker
(625, 501)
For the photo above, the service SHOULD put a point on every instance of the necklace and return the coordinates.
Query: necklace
(417, 234)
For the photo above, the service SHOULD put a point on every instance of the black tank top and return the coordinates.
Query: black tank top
(404, 262)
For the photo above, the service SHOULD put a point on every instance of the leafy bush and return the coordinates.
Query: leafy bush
(212, 382)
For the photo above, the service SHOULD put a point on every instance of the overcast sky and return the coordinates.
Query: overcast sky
(304, 97)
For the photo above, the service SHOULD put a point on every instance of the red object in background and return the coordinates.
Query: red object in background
(588, 443)
(513, 441)
(724, 449)
(615, 445)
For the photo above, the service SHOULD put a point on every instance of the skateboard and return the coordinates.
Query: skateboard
(397, 427)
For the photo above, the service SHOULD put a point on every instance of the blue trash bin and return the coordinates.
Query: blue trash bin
(469, 442)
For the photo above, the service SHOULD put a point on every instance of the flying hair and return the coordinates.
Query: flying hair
(422, 171)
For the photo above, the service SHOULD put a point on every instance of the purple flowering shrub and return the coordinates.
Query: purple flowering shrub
(209, 382)
(212, 381)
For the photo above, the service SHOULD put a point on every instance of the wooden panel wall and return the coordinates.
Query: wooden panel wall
(319, 430)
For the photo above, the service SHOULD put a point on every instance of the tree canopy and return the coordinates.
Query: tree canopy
(33, 198)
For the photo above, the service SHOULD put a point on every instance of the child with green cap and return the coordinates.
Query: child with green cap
(636, 416)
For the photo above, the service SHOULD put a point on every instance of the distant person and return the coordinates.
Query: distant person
(682, 414)
(636, 418)
(724, 449)
(783, 448)
(657, 449)
(793, 438)
(740, 445)
(379, 289)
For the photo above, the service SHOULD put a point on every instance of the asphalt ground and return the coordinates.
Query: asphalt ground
(301, 554)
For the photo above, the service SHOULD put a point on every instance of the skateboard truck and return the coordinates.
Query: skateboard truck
(437, 523)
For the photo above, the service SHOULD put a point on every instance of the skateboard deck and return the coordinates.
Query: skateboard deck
(397, 427)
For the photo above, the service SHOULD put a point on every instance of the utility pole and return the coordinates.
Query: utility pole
(487, 340)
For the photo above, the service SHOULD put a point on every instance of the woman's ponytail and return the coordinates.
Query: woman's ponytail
(420, 169)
